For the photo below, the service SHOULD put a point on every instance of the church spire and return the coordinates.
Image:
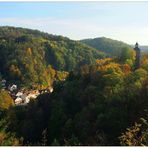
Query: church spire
(136, 45)
(138, 55)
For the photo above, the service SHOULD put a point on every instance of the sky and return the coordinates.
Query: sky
(124, 21)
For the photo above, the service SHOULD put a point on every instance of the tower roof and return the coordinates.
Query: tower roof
(136, 45)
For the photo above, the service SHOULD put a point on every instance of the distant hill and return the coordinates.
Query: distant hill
(107, 45)
(34, 57)
(144, 48)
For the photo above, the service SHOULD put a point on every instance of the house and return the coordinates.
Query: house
(27, 100)
(3, 81)
(13, 88)
(18, 100)
(33, 95)
(3, 84)
(50, 89)
(19, 94)
(24, 96)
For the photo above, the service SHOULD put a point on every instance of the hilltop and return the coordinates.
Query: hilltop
(107, 45)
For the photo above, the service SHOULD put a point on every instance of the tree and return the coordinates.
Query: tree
(136, 135)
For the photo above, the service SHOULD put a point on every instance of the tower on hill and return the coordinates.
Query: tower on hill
(138, 55)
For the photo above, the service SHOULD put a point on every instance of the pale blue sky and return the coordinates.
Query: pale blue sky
(126, 21)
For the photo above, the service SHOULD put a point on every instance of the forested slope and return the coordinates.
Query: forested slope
(102, 102)
(31, 56)
(94, 106)
(107, 45)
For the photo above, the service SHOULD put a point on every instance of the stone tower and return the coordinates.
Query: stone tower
(138, 55)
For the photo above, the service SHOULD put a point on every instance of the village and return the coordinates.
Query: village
(22, 96)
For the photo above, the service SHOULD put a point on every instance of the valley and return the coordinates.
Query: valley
(55, 91)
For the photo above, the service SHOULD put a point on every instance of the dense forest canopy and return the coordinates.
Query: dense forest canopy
(107, 45)
(101, 102)
(30, 55)
(94, 106)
